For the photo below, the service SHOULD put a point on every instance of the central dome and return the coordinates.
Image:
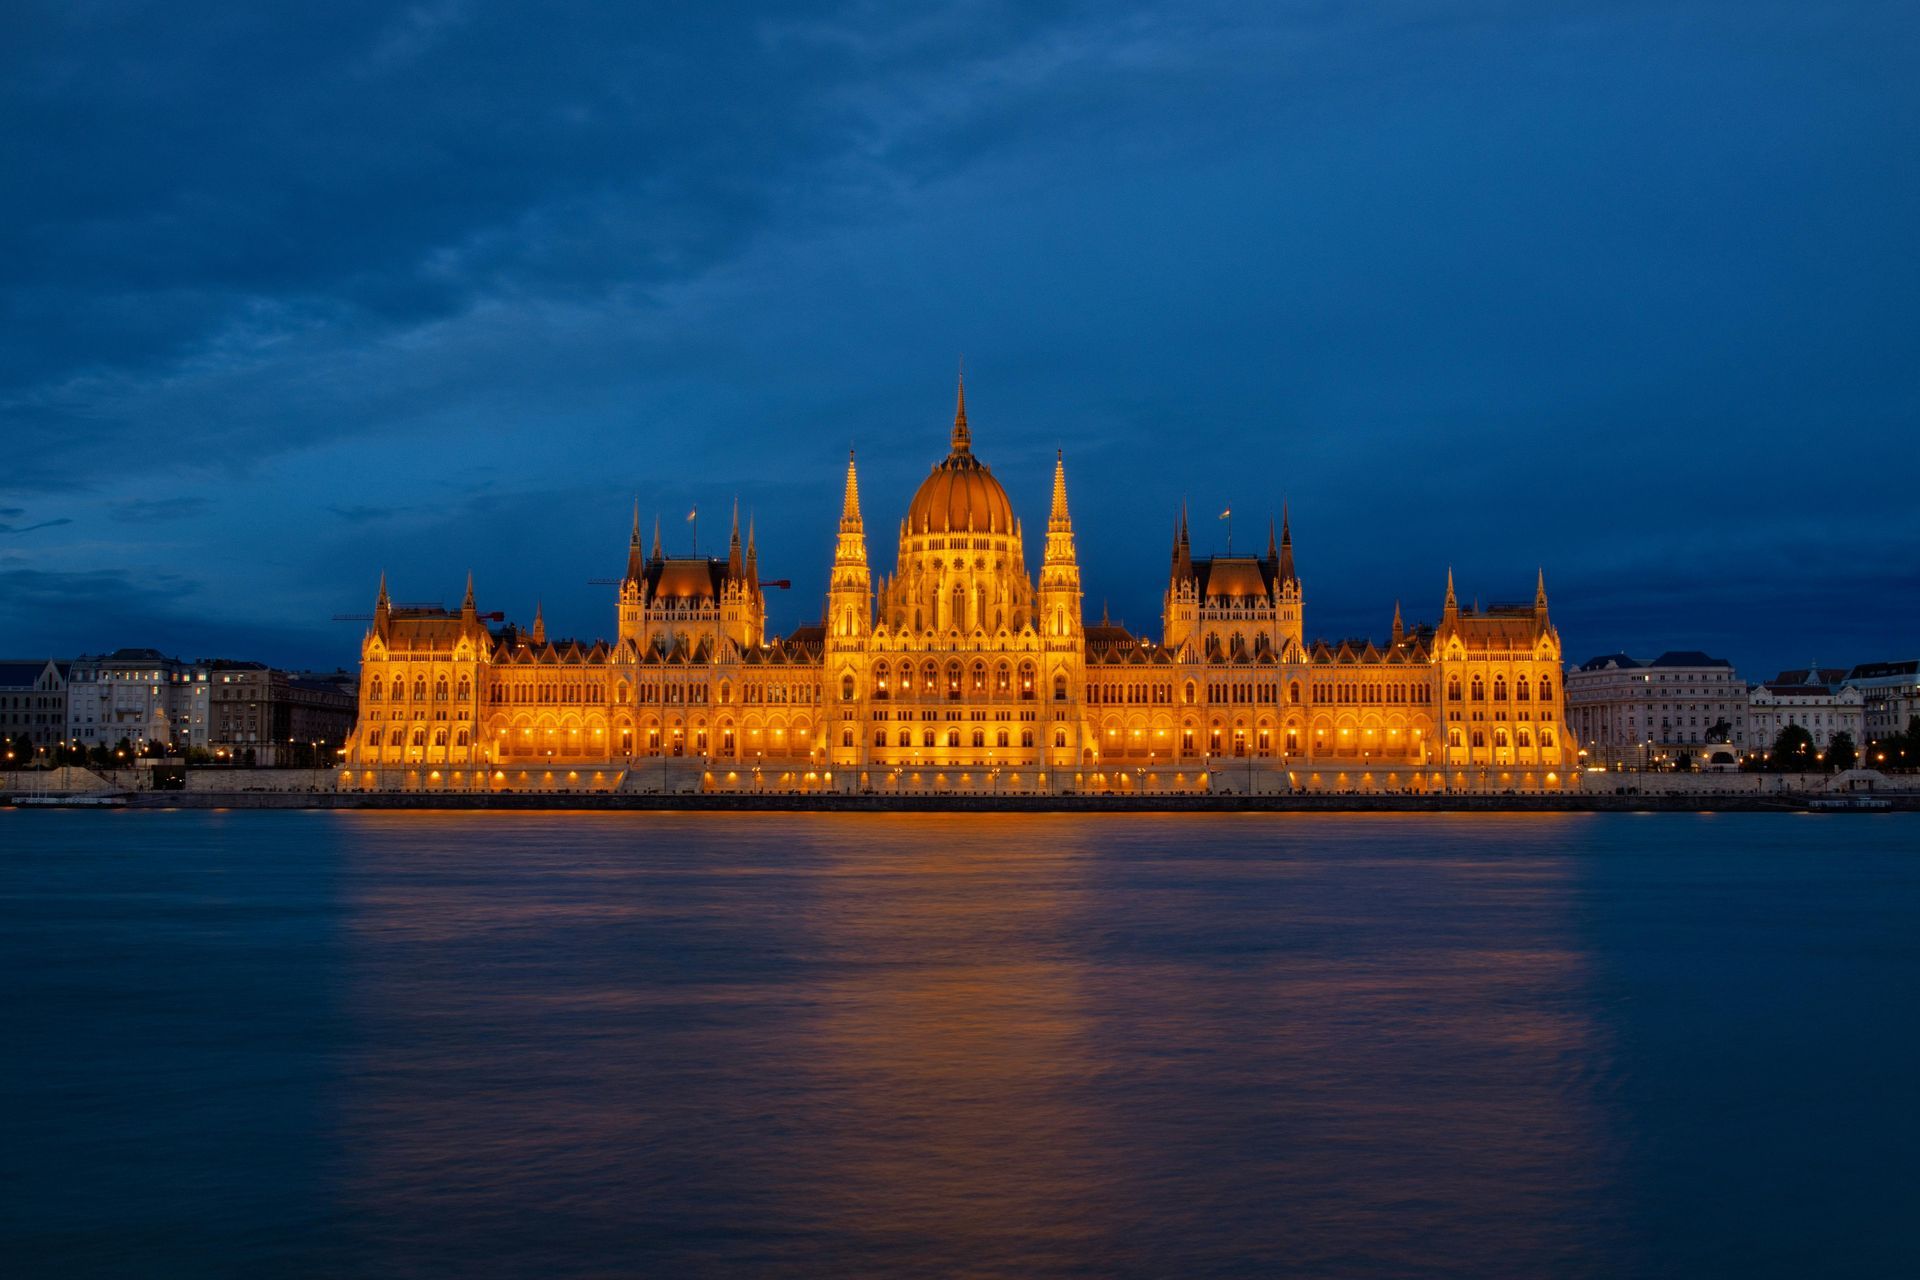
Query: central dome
(961, 496)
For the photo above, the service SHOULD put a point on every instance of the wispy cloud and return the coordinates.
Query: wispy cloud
(9, 516)
(363, 513)
(159, 510)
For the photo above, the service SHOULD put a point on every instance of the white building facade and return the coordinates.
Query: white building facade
(1813, 698)
(1644, 712)
(140, 695)
(1890, 696)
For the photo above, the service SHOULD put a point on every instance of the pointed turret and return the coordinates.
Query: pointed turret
(736, 560)
(1273, 552)
(850, 501)
(467, 609)
(636, 558)
(1450, 607)
(656, 557)
(1183, 551)
(753, 557)
(962, 438)
(1540, 593)
(1059, 598)
(1286, 570)
(850, 586)
(382, 606)
(539, 625)
(1057, 519)
(1399, 629)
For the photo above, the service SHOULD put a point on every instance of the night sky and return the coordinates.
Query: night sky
(295, 294)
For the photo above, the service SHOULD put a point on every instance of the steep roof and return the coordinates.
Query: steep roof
(1689, 658)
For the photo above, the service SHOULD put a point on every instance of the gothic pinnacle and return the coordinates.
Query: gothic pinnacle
(962, 438)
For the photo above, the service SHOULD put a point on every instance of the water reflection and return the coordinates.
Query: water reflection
(1009, 1045)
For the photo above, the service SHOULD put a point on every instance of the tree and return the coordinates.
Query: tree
(1841, 752)
(1793, 750)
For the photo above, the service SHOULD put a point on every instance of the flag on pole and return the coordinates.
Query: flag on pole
(1227, 514)
(691, 514)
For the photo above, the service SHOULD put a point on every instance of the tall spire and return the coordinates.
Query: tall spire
(851, 549)
(539, 625)
(1286, 570)
(850, 502)
(1399, 629)
(1540, 592)
(753, 556)
(1183, 561)
(467, 609)
(1059, 523)
(656, 557)
(381, 601)
(1452, 604)
(1273, 552)
(962, 438)
(736, 564)
(636, 556)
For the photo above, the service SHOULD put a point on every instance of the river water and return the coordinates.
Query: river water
(400, 1044)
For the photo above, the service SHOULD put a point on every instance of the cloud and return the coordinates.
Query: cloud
(159, 510)
(299, 268)
(363, 513)
(8, 527)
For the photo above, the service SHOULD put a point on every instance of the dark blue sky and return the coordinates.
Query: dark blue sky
(1625, 290)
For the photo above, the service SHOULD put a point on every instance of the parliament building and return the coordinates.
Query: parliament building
(958, 671)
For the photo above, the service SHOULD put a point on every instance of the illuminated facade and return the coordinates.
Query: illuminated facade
(960, 671)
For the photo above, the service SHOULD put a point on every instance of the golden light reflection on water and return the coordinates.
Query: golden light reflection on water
(992, 1045)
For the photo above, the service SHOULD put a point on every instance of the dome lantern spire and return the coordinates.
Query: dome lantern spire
(962, 437)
